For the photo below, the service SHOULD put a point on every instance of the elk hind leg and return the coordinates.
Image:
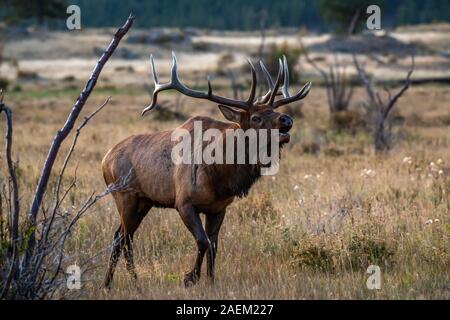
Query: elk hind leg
(131, 221)
(132, 211)
(117, 246)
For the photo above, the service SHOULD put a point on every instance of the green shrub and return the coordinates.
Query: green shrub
(4, 83)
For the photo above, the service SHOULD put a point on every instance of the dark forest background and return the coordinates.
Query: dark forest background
(230, 14)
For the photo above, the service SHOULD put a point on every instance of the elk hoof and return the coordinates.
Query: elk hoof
(190, 279)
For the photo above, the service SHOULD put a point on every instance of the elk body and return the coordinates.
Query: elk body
(205, 188)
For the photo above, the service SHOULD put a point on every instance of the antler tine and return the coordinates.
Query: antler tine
(155, 75)
(277, 83)
(299, 96)
(267, 75)
(285, 88)
(174, 74)
(251, 96)
(265, 98)
(176, 84)
(158, 86)
(208, 78)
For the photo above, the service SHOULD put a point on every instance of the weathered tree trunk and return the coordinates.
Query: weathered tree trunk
(16, 205)
(381, 143)
(379, 107)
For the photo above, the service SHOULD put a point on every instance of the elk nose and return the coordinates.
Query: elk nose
(286, 122)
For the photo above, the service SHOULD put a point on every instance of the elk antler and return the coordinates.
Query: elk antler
(285, 89)
(176, 84)
(265, 98)
(283, 71)
(268, 98)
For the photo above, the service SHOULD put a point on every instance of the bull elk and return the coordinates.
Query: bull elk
(159, 182)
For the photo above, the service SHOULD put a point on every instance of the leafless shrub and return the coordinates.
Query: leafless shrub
(379, 108)
(339, 90)
(237, 90)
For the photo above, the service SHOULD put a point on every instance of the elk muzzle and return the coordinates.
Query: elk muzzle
(284, 125)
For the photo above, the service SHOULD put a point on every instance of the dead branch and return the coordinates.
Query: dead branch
(339, 94)
(234, 85)
(72, 148)
(393, 100)
(364, 78)
(63, 169)
(62, 134)
(355, 18)
(121, 185)
(15, 192)
(378, 105)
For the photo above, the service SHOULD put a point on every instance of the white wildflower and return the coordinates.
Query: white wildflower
(434, 167)
(428, 222)
(296, 187)
(367, 173)
(407, 160)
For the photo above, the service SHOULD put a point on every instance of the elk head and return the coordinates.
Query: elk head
(256, 112)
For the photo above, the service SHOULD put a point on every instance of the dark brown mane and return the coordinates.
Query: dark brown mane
(237, 185)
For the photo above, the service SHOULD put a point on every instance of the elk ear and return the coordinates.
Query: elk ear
(231, 114)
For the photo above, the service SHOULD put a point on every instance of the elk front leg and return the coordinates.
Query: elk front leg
(212, 225)
(191, 219)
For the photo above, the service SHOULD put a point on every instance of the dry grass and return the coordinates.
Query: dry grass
(309, 232)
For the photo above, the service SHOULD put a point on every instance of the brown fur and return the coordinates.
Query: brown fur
(160, 182)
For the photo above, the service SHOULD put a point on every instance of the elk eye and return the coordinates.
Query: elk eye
(256, 119)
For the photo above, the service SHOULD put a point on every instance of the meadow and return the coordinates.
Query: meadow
(309, 232)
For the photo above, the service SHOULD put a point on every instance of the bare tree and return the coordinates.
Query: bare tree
(62, 134)
(339, 92)
(39, 274)
(237, 89)
(380, 108)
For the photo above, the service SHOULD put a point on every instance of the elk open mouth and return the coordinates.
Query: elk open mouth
(284, 136)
